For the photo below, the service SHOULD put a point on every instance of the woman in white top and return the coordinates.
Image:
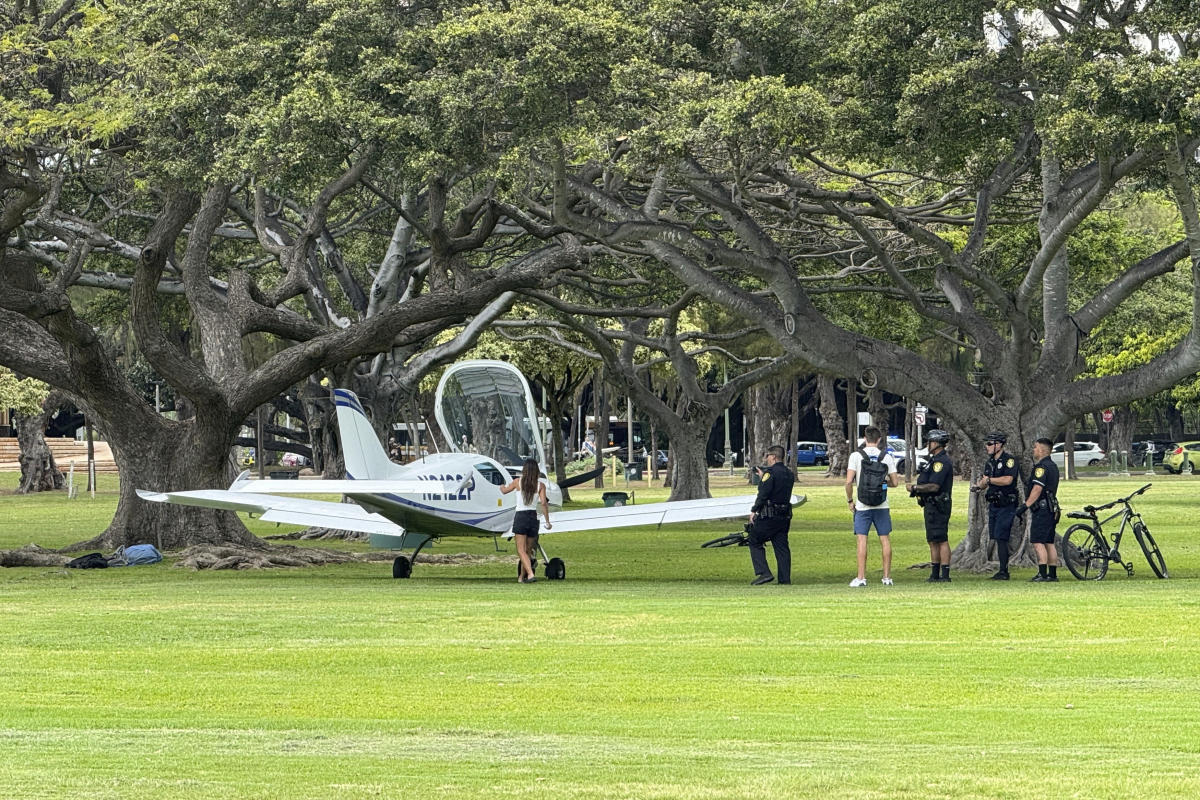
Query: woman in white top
(525, 524)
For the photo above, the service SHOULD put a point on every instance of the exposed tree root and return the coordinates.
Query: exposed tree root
(320, 533)
(234, 557)
(32, 556)
(208, 556)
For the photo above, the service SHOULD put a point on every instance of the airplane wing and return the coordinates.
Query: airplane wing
(322, 486)
(288, 510)
(656, 513)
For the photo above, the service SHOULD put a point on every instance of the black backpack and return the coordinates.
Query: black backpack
(89, 561)
(872, 478)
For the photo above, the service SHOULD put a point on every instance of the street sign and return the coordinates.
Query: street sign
(1107, 415)
(919, 417)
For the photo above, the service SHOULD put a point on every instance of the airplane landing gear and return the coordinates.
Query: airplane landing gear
(403, 565)
(556, 570)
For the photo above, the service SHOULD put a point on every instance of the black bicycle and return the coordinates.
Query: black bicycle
(1086, 548)
(737, 539)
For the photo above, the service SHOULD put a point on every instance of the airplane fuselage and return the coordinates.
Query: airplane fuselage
(478, 501)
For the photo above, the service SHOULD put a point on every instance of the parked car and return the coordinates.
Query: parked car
(660, 458)
(1185, 458)
(812, 454)
(1158, 448)
(920, 455)
(1087, 454)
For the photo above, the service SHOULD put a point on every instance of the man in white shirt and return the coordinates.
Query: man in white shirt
(871, 483)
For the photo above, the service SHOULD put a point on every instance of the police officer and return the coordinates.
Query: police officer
(1041, 503)
(932, 491)
(770, 519)
(999, 485)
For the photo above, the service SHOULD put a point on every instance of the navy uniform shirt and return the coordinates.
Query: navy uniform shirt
(1044, 474)
(774, 487)
(939, 470)
(1001, 466)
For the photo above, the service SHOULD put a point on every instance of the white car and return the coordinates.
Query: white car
(1087, 454)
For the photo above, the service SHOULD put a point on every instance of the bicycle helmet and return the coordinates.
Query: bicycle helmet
(939, 436)
(997, 436)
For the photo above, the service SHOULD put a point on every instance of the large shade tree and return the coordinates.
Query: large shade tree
(876, 149)
(241, 164)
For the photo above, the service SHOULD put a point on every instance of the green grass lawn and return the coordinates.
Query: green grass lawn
(653, 671)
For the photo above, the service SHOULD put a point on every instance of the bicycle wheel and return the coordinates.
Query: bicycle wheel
(1085, 552)
(1150, 548)
(728, 539)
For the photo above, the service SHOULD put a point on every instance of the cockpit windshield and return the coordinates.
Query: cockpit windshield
(484, 407)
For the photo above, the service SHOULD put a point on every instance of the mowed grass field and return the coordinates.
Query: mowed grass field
(653, 671)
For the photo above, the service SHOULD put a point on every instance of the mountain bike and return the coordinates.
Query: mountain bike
(1087, 550)
(737, 539)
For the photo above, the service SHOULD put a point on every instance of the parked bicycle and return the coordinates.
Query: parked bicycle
(1086, 547)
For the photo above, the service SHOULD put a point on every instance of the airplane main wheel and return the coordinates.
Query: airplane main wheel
(556, 570)
(401, 567)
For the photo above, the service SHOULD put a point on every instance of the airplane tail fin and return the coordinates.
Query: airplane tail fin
(365, 457)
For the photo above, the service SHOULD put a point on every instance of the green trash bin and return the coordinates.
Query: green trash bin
(633, 472)
(615, 498)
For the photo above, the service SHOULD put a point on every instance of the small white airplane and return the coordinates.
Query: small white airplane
(485, 409)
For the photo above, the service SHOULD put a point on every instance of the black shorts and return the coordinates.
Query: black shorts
(1041, 528)
(937, 526)
(1000, 522)
(525, 523)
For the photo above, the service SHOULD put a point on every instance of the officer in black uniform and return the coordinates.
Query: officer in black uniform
(770, 519)
(1041, 503)
(932, 491)
(999, 485)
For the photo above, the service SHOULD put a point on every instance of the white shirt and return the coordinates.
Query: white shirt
(855, 466)
(532, 505)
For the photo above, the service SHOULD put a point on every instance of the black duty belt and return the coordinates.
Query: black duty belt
(772, 510)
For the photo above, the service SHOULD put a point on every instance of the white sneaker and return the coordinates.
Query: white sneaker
(886, 581)
(857, 582)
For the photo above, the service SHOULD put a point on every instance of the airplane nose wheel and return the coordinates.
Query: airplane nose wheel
(401, 567)
(556, 570)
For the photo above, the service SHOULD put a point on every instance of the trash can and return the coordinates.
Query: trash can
(633, 472)
(615, 498)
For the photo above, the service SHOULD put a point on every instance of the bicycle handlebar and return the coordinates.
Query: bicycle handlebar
(1093, 509)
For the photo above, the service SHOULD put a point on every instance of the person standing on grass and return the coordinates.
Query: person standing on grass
(868, 475)
(770, 519)
(933, 492)
(531, 493)
(1041, 504)
(999, 484)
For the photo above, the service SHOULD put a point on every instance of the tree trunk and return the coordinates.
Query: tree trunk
(557, 446)
(1174, 419)
(794, 428)
(163, 457)
(1121, 438)
(601, 425)
(772, 405)
(1068, 471)
(834, 425)
(878, 410)
(39, 473)
(910, 438)
(90, 433)
(689, 465)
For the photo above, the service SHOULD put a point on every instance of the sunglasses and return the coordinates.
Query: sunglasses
(993, 441)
